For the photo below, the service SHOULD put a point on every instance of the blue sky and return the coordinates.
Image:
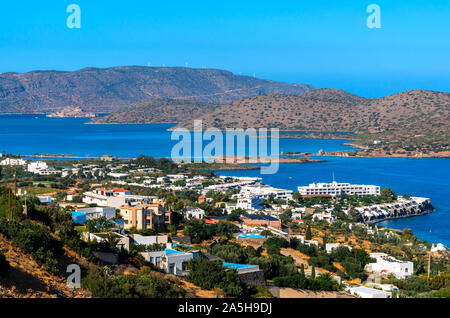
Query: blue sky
(324, 43)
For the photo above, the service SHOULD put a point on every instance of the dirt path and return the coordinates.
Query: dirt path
(198, 292)
(285, 292)
(298, 257)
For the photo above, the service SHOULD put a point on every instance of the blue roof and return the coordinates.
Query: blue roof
(237, 266)
(74, 213)
(170, 251)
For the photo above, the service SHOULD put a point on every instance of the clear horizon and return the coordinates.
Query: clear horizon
(325, 44)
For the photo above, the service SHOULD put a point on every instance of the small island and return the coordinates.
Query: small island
(71, 112)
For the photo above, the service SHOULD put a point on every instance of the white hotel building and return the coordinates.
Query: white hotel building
(335, 188)
(386, 264)
(265, 191)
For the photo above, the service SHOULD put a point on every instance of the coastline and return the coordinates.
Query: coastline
(352, 137)
(427, 211)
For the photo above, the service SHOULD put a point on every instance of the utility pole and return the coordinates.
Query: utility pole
(15, 186)
(9, 204)
(25, 210)
(429, 264)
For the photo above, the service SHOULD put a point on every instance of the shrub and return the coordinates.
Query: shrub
(211, 274)
(414, 284)
(145, 285)
(262, 292)
(323, 282)
(443, 293)
(34, 239)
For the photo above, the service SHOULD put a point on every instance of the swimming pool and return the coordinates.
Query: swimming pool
(238, 266)
(251, 236)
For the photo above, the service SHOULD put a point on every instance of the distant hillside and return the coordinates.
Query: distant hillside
(112, 89)
(413, 123)
(334, 110)
(158, 110)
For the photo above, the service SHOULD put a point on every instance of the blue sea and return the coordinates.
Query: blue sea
(29, 134)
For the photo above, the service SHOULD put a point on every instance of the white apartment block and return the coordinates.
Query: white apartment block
(389, 265)
(41, 168)
(335, 188)
(114, 198)
(37, 166)
(265, 192)
(13, 162)
(248, 202)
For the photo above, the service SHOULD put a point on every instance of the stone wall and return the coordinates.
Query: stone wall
(253, 279)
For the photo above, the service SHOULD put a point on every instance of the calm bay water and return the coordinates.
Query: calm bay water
(29, 134)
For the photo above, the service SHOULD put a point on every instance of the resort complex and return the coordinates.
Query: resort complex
(184, 222)
(335, 188)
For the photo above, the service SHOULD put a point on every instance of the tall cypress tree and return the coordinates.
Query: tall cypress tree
(313, 272)
(325, 242)
(308, 235)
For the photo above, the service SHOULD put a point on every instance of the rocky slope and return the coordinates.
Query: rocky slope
(335, 110)
(111, 89)
(26, 279)
(157, 110)
(410, 124)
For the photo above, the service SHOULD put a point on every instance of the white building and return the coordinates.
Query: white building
(195, 213)
(162, 180)
(118, 175)
(301, 238)
(169, 260)
(265, 192)
(41, 168)
(97, 212)
(13, 162)
(386, 264)
(324, 216)
(177, 176)
(402, 207)
(311, 242)
(439, 247)
(249, 202)
(123, 240)
(150, 240)
(45, 200)
(335, 188)
(366, 292)
(329, 247)
(296, 216)
(36, 166)
(115, 198)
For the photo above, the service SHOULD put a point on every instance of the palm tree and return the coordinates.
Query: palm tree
(112, 241)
